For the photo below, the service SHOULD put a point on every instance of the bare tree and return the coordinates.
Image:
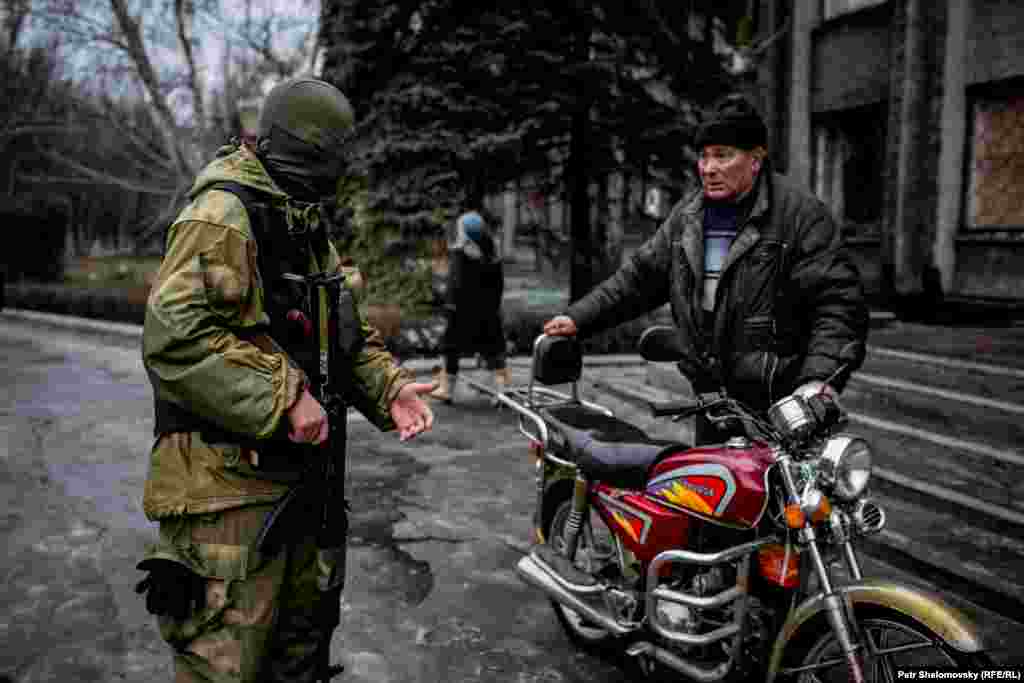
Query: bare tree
(150, 72)
(13, 14)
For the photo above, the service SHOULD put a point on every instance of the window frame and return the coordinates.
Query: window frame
(976, 95)
(823, 125)
(863, 5)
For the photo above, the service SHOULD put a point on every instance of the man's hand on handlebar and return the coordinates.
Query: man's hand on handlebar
(822, 401)
(560, 326)
(808, 389)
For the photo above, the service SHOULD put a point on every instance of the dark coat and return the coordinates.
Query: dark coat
(476, 283)
(790, 305)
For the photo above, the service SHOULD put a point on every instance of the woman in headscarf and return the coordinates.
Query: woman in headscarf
(473, 304)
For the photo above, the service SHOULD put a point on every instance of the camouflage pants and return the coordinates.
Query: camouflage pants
(265, 618)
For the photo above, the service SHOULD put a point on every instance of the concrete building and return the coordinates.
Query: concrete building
(907, 118)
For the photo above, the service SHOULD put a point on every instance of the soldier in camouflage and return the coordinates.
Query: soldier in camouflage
(236, 423)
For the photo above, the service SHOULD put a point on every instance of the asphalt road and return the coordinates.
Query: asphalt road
(438, 525)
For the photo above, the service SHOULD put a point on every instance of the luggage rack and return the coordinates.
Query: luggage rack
(556, 361)
(529, 400)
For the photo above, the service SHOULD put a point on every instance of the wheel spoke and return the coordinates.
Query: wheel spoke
(884, 640)
(584, 560)
(809, 669)
(812, 677)
(880, 663)
(884, 664)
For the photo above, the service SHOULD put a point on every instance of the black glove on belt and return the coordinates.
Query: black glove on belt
(171, 589)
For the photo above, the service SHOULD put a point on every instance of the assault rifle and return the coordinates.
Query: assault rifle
(320, 496)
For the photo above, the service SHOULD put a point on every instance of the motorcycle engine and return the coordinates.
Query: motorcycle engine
(676, 617)
(706, 581)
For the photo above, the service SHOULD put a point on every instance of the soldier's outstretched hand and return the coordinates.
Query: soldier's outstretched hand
(411, 413)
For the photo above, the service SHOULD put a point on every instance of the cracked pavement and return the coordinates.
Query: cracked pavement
(437, 526)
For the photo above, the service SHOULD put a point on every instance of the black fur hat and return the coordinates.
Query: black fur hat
(734, 121)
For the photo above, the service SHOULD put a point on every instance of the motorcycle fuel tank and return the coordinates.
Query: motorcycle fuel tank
(723, 483)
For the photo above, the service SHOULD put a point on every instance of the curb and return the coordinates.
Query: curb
(880, 318)
(425, 365)
(74, 322)
(416, 364)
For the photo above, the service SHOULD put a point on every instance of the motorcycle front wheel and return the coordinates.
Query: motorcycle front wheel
(594, 552)
(899, 641)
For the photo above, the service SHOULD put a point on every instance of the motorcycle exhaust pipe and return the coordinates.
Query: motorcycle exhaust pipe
(534, 572)
(696, 672)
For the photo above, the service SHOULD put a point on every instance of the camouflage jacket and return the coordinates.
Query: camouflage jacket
(208, 293)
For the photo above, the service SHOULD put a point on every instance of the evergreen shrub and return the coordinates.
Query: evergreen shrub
(39, 256)
(391, 276)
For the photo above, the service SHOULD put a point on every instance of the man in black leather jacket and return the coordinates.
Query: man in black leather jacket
(766, 299)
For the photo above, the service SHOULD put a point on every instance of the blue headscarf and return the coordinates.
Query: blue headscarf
(473, 238)
(472, 225)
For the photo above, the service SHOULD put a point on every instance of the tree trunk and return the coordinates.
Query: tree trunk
(615, 232)
(510, 221)
(15, 13)
(601, 232)
(581, 274)
(136, 48)
(184, 13)
(581, 278)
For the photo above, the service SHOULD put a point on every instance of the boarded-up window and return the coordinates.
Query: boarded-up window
(834, 8)
(996, 183)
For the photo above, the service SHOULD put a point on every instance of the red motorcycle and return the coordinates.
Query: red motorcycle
(716, 561)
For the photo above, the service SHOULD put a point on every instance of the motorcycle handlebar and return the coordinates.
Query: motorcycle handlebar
(675, 408)
(681, 408)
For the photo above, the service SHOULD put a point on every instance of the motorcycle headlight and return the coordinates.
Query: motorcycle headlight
(845, 466)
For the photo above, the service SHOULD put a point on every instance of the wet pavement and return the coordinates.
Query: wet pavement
(438, 524)
(74, 424)
(437, 527)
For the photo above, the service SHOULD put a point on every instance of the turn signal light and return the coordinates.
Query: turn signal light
(536, 450)
(818, 510)
(778, 566)
(795, 517)
(821, 513)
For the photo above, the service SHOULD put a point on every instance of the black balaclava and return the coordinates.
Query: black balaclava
(300, 137)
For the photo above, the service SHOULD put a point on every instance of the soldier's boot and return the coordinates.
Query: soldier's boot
(501, 382)
(445, 386)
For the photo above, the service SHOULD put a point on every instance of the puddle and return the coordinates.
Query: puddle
(377, 484)
(100, 484)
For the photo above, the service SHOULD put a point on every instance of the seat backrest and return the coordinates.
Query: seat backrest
(557, 360)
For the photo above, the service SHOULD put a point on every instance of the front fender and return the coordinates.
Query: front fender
(952, 625)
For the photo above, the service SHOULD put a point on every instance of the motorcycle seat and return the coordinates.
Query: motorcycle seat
(607, 448)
